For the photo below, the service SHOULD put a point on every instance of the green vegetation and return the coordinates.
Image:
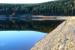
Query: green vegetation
(54, 8)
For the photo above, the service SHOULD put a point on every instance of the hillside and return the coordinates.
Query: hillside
(55, 8)
(52, 8)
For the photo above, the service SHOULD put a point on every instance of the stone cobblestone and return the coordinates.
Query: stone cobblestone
(61, 38)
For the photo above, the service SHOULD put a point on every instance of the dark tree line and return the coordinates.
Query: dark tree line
(54, 8)
(59, 8)
(49, 8)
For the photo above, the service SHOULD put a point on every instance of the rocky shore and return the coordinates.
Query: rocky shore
(61, 38)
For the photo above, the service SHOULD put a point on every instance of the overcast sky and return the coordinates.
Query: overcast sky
(24, 1)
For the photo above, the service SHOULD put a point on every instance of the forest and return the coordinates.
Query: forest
(52, 8)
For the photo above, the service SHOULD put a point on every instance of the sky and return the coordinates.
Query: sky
(24, 1)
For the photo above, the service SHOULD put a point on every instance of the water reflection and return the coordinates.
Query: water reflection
(19, 40)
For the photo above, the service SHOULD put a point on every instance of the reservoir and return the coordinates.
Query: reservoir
(19, 40)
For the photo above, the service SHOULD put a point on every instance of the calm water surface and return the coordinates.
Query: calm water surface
(19, 40)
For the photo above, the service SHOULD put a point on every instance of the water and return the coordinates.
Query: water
(19, 40)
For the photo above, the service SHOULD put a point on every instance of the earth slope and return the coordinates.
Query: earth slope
(62, 38)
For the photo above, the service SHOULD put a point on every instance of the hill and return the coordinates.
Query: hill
(55, 8)
(52, 8)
